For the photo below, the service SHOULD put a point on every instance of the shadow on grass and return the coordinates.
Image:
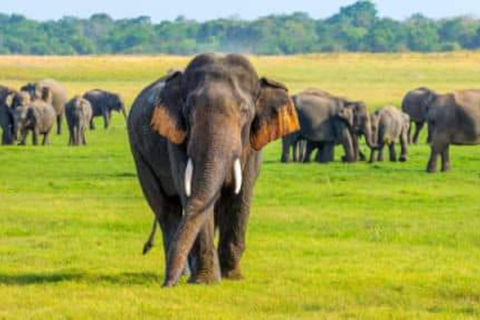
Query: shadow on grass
(127, 278)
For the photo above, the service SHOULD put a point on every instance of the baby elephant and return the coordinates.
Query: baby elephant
(38, 117)
(79, 114)
(389, 124)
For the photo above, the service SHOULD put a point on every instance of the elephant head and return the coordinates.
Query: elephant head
(31, 89)
(358, 118)
(218, 111)
(116, 103)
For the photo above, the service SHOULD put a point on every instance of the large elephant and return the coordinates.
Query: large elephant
(59, 96)
(453, 118)
(196, 138)
(9, 101)
(38, 117)
(103, 103)
(389, 125)
(78, 112)
(415, 104)
(327, 120)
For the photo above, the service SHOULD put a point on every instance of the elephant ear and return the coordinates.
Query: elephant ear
(346, 114)
(276, 115)
(167, 119)
(10, 99)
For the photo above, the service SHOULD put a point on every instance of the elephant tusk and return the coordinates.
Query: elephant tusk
(188, 178)
(237, 167)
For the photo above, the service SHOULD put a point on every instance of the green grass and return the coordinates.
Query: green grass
(335, 241)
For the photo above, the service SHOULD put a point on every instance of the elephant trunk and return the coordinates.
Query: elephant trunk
(370, 140)
(205, 175)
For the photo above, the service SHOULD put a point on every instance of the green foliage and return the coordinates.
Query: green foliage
(356, 28)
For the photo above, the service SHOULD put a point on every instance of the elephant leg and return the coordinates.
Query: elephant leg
(436, 150)
(106, 120)
(372, 156)
(35, 137)
(92, 124)
(232, 216)
(446, 166)
(303, 150)
(348, 147)
(84, 137)
(409, 133)
(285, 150)
(404, 146)
(45, 139)
(203, 255)
(70, 133)
(308, 152)
(393, 154)
(327, 153)
(418, 128)
(295, 151)
(168, 212)
(356, 148)
(380, 152)
(59, 124)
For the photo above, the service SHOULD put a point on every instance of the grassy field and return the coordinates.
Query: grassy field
(333, 241)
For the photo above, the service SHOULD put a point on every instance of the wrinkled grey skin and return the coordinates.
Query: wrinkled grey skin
(38, 117)
(327, 120)
(220, 104)
(59, 96)
(389, 125)
(78, 112)
(294, 145)
(10, 100)
(415, 104)
(453, 118)
(103, 103)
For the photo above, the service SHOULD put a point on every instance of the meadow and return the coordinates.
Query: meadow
(325, 241)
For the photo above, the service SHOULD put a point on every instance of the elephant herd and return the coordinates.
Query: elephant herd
(196, 137)
(327, 120)
(37, 107)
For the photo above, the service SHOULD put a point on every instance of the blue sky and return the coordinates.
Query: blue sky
(246, 9)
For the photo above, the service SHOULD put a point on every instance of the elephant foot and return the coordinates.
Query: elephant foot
(446, 168)
(234, 274)
(169, 283)
(204, 277)
(403, 159)
(431, 169)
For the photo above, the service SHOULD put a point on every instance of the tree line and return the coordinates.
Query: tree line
(355, 28)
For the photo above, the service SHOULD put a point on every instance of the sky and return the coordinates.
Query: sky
(202, 10)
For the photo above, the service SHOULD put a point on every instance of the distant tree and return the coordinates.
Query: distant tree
(355, 28)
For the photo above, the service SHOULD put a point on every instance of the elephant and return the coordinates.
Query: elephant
(39, 117)
(103, 102)
(453, 118)
(78, 112)
(6, 116)
(327, 120)
(196, 138)
(9, 100)
(295, 145)
(415, 104)
(389, 125)
(59, 96)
